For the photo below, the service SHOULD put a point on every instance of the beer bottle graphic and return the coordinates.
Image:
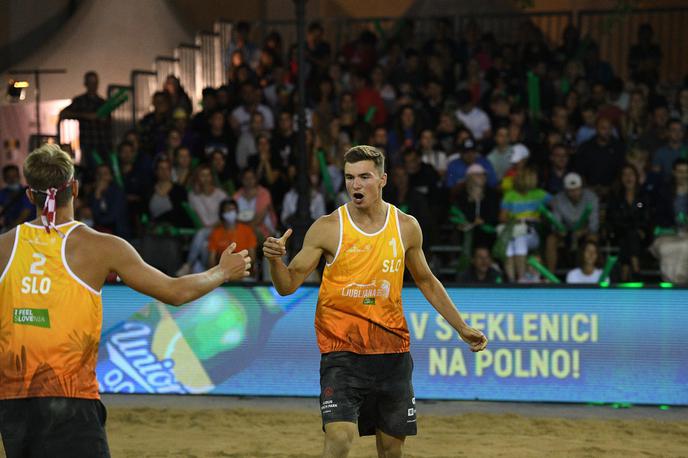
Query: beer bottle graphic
(193, 348)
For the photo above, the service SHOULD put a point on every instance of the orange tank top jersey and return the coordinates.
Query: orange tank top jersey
(359, 306)
(50, 320)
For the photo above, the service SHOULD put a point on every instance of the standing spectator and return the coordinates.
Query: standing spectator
(15, 207)
(500, 156)
(205, 201)
(178, 96)
(404, 134)
(109, 204)
(94, 132)
(471, 116)
(599, 159)
(200, 123)
(559, 166)
(675, 148)
(255, 205)
(154, 126)
(482, 270)
(644, 58)
(230, 230)
(587, 272)
(135, 172)
(521, 206)
(241, 42)
(577, 210)
(422, 176)
(628, 220)
(165, 204)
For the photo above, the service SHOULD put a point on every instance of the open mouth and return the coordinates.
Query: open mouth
(358, 197)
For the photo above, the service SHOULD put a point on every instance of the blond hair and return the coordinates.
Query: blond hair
(49, 167)
(366, 153)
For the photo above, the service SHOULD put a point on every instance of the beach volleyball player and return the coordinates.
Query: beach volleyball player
(52, 271)
(365, 368)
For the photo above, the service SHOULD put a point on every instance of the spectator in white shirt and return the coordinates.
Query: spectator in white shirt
(430, 153)
(475, 119)
(240, 118)
(587, 273)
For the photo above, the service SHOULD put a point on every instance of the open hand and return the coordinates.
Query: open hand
(276, 248)
(474, 338)
(235, 265)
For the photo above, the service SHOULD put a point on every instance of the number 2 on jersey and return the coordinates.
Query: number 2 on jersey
(31, 284)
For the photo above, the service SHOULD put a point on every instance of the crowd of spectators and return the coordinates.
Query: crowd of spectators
(595, 161)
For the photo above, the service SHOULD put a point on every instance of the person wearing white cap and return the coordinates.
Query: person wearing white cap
(519, 159)
(577, 210)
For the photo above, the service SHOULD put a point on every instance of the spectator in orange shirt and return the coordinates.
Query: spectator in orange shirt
(230, 230)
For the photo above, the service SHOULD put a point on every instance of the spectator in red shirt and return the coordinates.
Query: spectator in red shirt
(367, 97)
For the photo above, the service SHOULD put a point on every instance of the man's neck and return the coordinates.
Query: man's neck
(62, 215)
(208, 190)
(377, 209)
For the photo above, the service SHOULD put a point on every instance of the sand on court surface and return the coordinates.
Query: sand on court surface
(259, 432)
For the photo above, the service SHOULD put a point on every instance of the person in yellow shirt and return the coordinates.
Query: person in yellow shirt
(52, 271)
(365, 368)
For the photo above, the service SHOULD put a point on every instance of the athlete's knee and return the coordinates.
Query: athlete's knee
(338, 439)
(389, 446)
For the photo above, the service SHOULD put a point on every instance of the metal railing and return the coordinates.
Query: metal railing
(122, 118)
(144, 84)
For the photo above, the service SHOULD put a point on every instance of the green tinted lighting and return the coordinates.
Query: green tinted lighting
(665, 284)
(631, 285)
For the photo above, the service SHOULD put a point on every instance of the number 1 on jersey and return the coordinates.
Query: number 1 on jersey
(393, 244)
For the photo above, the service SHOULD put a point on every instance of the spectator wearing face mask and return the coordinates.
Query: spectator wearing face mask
(15, 207)
(229, 230)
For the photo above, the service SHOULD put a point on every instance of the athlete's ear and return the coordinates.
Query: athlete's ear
(384, 179)
(75, 189)
(29, 195)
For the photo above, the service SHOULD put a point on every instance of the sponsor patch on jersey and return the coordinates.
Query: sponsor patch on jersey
(32, 317)
(369, 301)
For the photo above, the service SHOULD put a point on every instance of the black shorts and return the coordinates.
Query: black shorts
(374, 391)
(53, 428)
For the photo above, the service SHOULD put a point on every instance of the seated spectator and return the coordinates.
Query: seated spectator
(587, 130)
(471, 116)
(109, 204)
(291, 200)
(269, 170)
(230, 230)
(153, 127)
(577, 210)
(559, 167)
(657, 134)
(482, 269)
(183, 167)
(674, 148)
(201, 120)
(404, 134)
(367, 99)
(635, 120)
(255, 205)
(15, 207)
(165, 203)
(521, 207)
(399, 193)
(205, 201)
(628, 219)
(456, 169)
(672, 207)
(422, 176)
(430, 153)
(223, 175)
(479, 205)
(246, 146)
(219, 138)
(500, 156)
(650, 182)
(520, 155)
(251, 96)
(599, 159)
(284, 140)
(587, 272)
(446, 133)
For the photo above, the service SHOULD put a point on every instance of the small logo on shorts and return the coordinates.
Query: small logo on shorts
(328, 392)
(411, 412)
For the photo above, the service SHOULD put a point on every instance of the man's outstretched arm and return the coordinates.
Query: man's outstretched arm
(432, 288)
(288, 278)
(134, 271)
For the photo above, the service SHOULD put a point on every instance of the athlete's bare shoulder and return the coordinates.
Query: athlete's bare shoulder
(324, 233)
(98, 248)
(410, 229)
(6, 244)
